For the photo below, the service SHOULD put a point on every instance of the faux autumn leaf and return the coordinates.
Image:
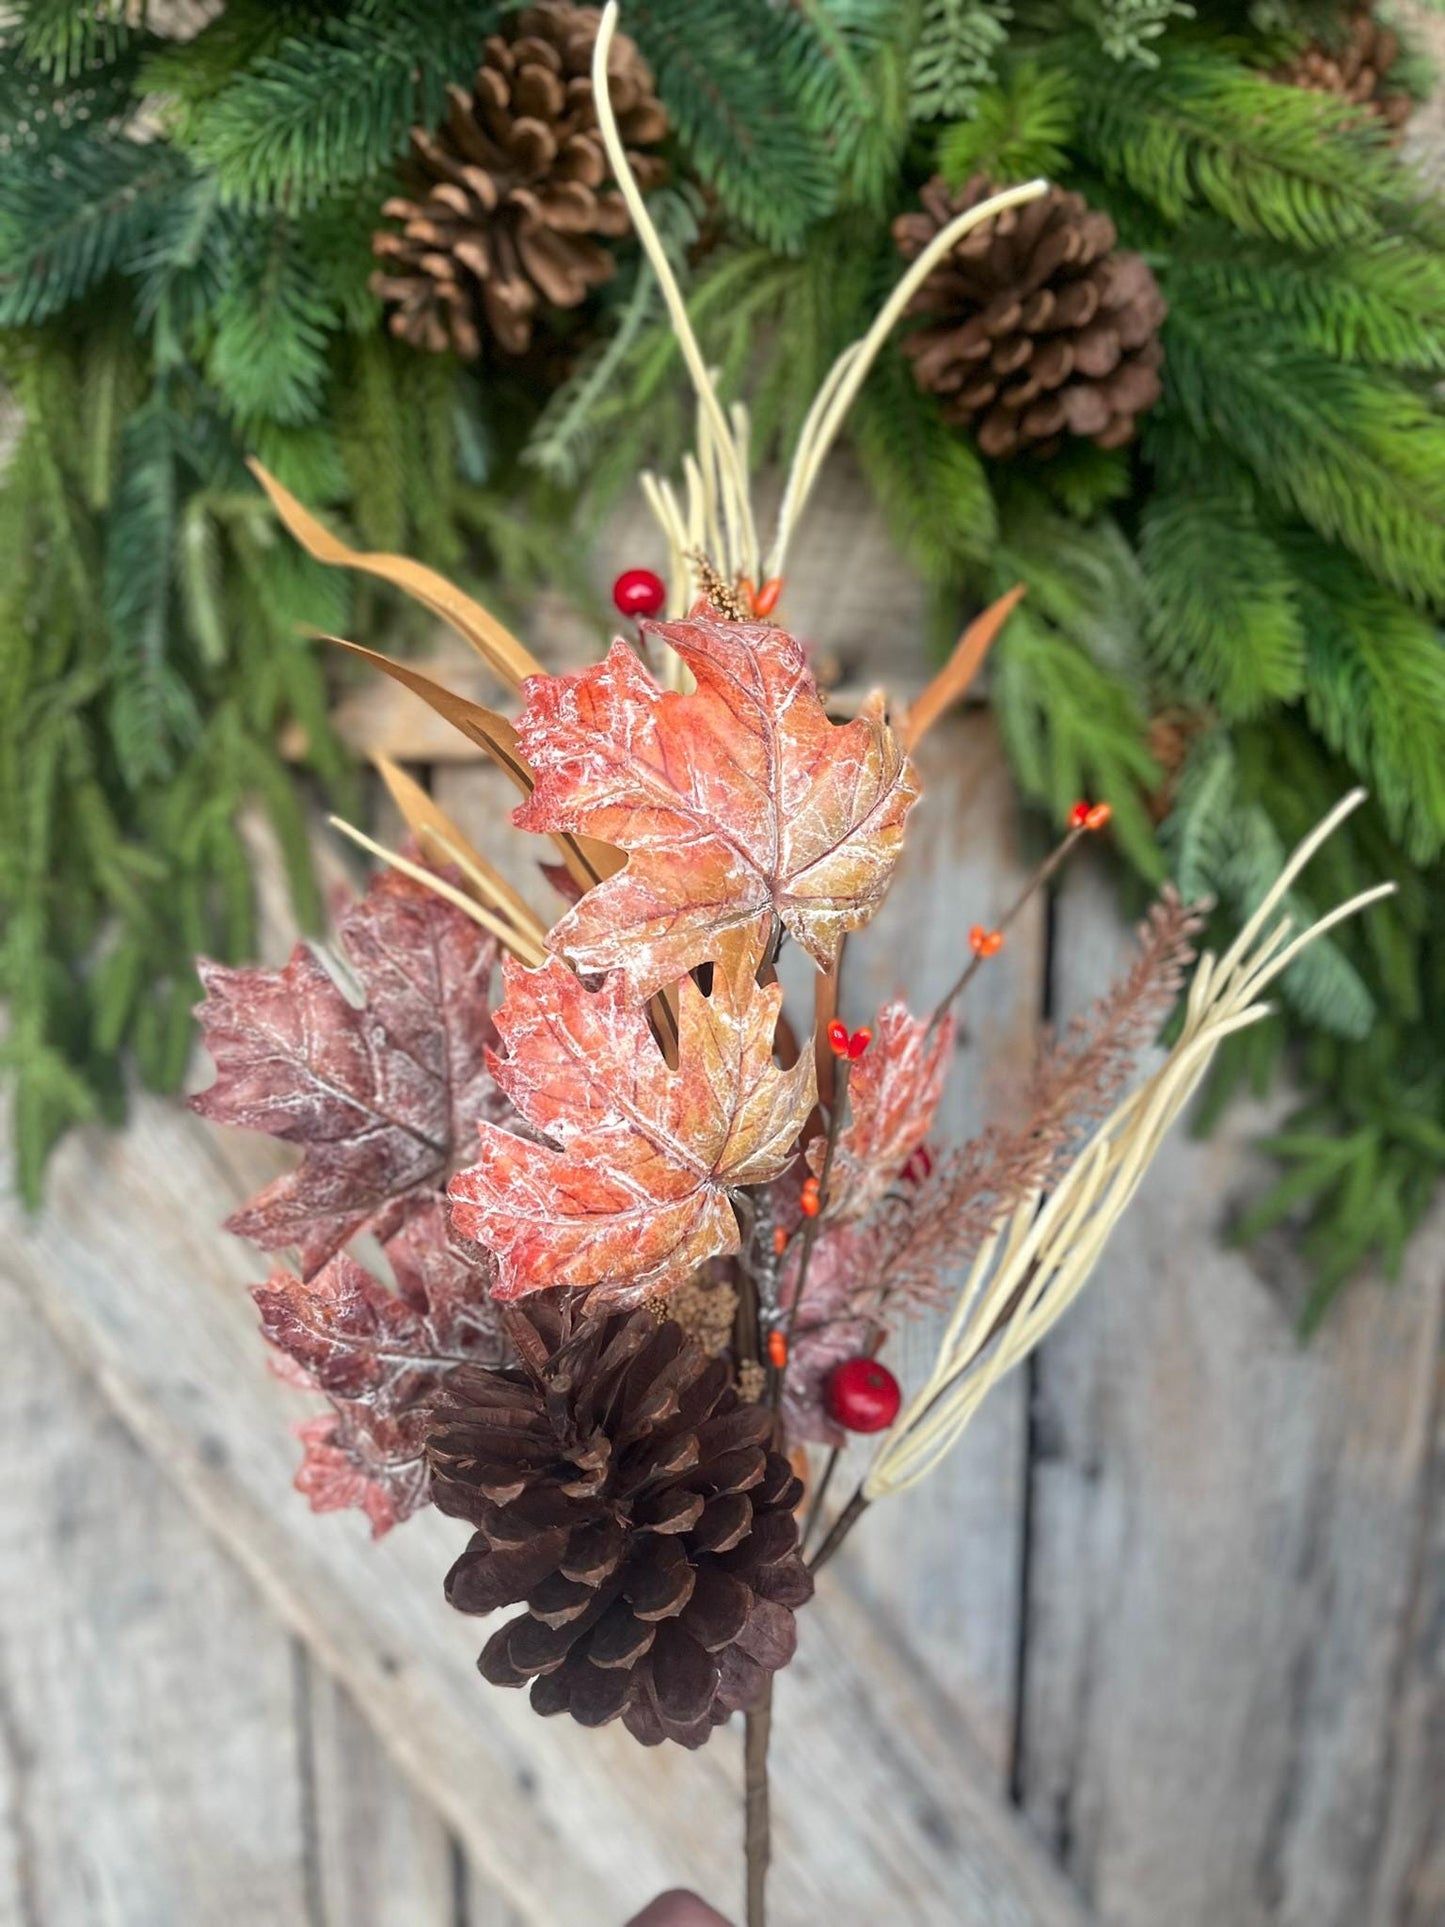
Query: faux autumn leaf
(738, 802)
(382, 1357)
(381, 1470)
(363, 1344)
(636, 1197)
(380, 1092)
(893, 1093)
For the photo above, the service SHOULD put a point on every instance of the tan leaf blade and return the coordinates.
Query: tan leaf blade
(636, 1197)
(492, 640)
(586, 862)
(952, 682)
(737, 803)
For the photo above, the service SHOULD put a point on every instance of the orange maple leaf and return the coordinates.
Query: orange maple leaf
(738, 803)
(893, 1092)
(637, 1195)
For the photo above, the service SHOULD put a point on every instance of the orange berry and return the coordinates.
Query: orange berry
(1098, 817)
(838, 1038)
(777, 1349)
(985, 943)
(765, 600)
(780, 1241)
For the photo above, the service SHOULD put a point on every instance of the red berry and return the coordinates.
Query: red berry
(1079, 815)
(859, 1042)
(838, 1038)
(639, 592)
(919, 1165)
(862, 1395)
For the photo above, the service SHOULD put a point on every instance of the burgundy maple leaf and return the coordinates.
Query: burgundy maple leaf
(381, 1469)
(738, 802)
(381, 1357)
(378, 1092)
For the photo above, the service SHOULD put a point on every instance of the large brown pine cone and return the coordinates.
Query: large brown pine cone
(508, 196)
(620, 1489)
(1037, 325)
(1355, 64)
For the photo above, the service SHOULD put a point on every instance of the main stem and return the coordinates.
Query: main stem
(757, 1820)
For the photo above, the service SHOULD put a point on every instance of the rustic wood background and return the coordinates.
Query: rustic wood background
(1164, 1643)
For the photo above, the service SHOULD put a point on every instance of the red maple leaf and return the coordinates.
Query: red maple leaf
(361, 1343)
(381, 1357)
(893, 1093)
(380, 1470)
(738, 803)
(380, 1092)
(636, 1197)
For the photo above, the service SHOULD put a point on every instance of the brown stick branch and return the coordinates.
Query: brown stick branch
(839, 1530)
(820, 1493)
(811, 1226)
(757, 1817)
(1041, 876)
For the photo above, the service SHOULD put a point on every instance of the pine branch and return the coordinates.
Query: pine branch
(1073, 729)
(1230, 636)
(1019, 128)
(66, 37)
(1380, 302)
(328, 108)
(729, 79)
(1200, 130)
(1126, 29)
(929, 482)
(1375, 689)
(956, 56)
(1355, 452)
(67, 219)
(267, 353)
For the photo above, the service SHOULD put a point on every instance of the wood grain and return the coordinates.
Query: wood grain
(147, 1700)
(1233, 1699)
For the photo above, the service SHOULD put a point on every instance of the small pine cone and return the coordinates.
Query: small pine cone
(507, 197)
(1037, 326)
(1357, 67)
(620, 1489)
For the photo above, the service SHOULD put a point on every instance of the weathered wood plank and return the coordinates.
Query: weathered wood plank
(1409, 1887)
(148, 1736)
(382, 1856)
(1229, 1544)
(880, 1802)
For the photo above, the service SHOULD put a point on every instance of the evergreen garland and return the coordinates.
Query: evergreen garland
(184, 259)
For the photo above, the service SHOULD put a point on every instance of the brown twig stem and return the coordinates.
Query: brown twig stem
(1041, 876)
(839, 1530)
(820, 1493)
(757, 1819)
(812, 1225)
